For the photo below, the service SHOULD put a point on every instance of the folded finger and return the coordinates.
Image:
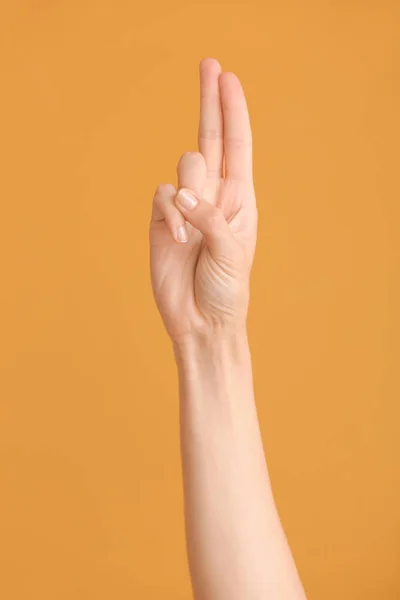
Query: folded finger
(164, 209)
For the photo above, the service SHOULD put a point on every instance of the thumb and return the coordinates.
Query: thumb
(209, 220)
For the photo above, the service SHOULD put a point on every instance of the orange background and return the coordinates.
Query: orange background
(98, 102)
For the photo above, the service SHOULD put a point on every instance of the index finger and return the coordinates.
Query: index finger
(210, 131)
(238, 142)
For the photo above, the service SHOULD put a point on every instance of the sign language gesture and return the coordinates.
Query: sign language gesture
(202, 243)
(203, 233)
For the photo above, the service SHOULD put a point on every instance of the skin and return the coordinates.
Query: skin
(237, 548)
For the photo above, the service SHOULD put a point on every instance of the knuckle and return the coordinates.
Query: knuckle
(190, 157)
(210, 134)
(164, 189)
(238, 143)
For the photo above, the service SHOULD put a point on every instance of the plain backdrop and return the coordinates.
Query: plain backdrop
(98, 101)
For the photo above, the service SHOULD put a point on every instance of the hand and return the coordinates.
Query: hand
(201, 257)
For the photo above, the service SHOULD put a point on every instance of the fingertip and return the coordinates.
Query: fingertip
(210, 63)
(186, 199)
(181, 234)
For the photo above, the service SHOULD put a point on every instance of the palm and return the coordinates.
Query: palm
(189, 285)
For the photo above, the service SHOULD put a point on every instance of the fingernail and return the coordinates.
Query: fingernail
(186, 199)
(181, 234)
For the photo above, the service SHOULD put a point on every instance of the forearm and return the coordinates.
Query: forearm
(236, 545)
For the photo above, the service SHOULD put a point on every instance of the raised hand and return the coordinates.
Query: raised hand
(202, 243)
(203, 234)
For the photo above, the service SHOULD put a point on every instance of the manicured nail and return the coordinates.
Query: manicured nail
(181, 234)
(186, 199)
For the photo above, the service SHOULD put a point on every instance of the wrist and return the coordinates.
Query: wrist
(212, 349)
